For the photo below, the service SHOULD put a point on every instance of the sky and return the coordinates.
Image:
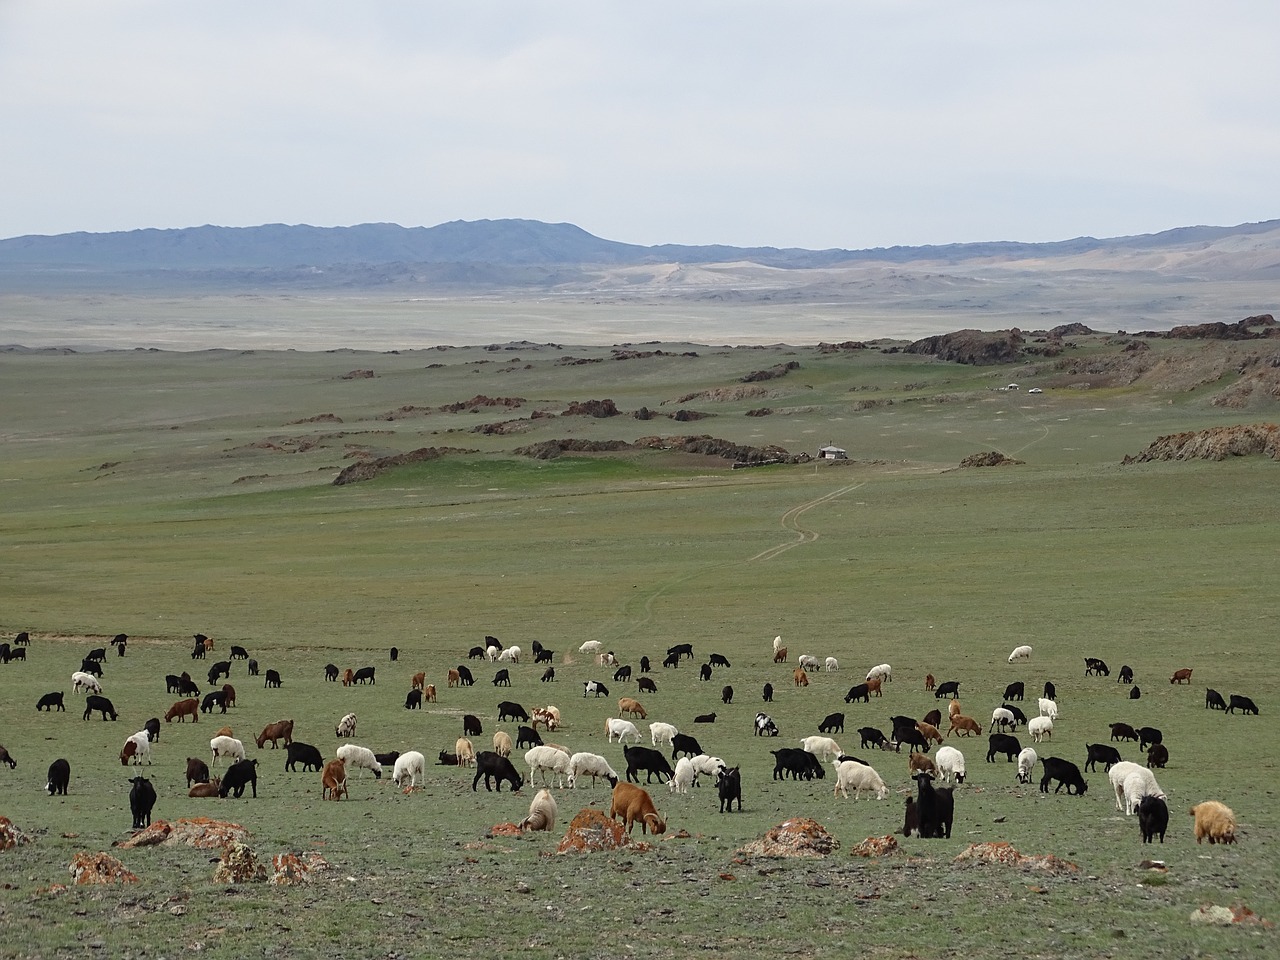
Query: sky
(856, 123)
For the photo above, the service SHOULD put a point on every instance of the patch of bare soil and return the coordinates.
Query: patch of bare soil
(1216, 443)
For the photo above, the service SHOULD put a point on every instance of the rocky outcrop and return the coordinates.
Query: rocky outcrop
(600, 409)
(11, 836)
(772, 373)
(1216, 443)
(550, 449)
(976, 347)
(94, 868)
(203, 833)
(591, 831)
(991, 458)
(713, 447)
(368, 469)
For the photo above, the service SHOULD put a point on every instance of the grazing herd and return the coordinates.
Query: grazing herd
(930, 811)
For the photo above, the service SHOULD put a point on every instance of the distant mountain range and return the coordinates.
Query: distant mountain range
(532, 254)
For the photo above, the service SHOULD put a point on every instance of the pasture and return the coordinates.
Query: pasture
(161, 495)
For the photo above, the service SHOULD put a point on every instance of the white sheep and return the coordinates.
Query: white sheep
(548, 760)
(832, 664)
(542, 812)
(466, 752)
(502, 744)
(1138, 784)
(777, 644)
(410, 766)
(684, 776)
(510, 654)
(1048, 708)
(1001, 718)
(1026, 761)
(824, 748)
(592, 765)
(851, 773)
(591, 646)
(1020, 653)
(807, 662)
(662, 733)
(357, 756)
(1117, 775)
(950, 763)
(226, 747)
(706, 766)
(616, 727)
(491, 653)
(86, 682)
(882, 671)
(1040, 728)
(346, 726)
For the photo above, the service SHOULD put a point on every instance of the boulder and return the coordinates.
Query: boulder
(91, 868)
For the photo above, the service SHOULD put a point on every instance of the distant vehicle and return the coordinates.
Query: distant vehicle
(1035, 390)
(1012, 386)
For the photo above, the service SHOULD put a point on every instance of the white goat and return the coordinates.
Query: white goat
(86, 682)
(824, 748)
(1048, 708)
(1001, 718)
(616, 727)
(1040, 728)
(832, 664)
(1026, 761)
(226, 747)
(662, 733)
(950, 763)
(591, 646)
(883, 671)
(684, 777)
(466, 752)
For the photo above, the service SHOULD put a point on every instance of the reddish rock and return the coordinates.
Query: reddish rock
(797, 837)
(89, 868)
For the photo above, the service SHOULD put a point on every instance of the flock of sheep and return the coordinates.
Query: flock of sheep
(1135, 787)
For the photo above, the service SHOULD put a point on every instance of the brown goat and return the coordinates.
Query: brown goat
(801, 677)
(333, 780)
(633, 805)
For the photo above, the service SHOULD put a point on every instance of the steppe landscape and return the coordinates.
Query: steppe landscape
(637, 466)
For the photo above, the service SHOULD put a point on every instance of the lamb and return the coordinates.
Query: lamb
(1040, 728)
(662, 733)
(621, 729)
(1026, 763)
(1215, 822)
(593, 765)
(224, 746)
(548, 760)
(409, 765)
(950, 764)
(860, 776)
(684, 776)
(355, 755)
(1048, 708)
(633, 805)
(1020, 653)
(542, 812)
(824, 748)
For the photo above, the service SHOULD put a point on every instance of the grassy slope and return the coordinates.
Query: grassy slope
(903, 560)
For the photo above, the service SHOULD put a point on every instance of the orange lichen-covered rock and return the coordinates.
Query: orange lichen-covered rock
(876, 847)
(289, 869)
(239, 864)
(591, 830)
(797, 837)
(1004, 854)
(202, 833)
(11, 836)
(89, 868)
(504, 830)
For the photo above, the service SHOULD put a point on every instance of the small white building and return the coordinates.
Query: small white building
(832, 453)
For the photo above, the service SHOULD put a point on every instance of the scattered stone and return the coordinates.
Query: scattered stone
(91, 868)
(1227, 916)
(797, 837)
(357, 375)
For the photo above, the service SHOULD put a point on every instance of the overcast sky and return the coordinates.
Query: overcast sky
(854, 123)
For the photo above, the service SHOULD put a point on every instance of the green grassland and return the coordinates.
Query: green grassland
(164, 494)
